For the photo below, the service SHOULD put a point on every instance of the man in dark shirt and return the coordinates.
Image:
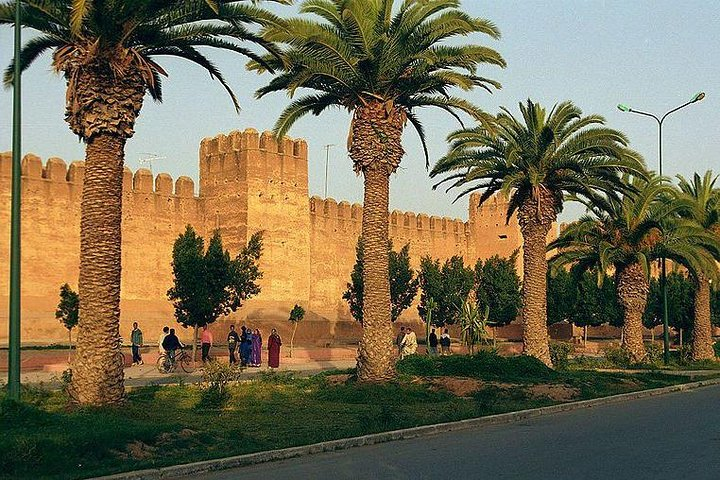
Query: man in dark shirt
(432, 343)
(171, 343)
(233, 339)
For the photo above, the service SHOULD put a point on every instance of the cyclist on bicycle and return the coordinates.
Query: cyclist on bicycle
(170, 344)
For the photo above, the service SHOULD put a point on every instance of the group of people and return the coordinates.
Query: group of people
(407, 344)
(248, 345)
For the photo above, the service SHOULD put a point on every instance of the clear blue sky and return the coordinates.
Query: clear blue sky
(650, 54)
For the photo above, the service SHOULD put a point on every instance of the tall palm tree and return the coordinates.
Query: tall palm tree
(699, 201)
(535, 162)
(380, 63)
(107, 51)
(624, 236)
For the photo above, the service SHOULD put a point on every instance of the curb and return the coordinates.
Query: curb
(408, 433)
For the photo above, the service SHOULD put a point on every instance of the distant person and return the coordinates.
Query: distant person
(136, 338)
(171, 344)
(206, 341)
(399, 339)
(274, 343)
(409, 343)
(432, 343)
(232, 340)
(445, 343)
(245, 345)
(165, 332)
(256, 355)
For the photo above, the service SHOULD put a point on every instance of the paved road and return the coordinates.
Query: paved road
(675, 436)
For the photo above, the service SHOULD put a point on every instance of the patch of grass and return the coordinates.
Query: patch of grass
(159, 426)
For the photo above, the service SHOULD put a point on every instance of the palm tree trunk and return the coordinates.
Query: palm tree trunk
(633, 288)
(375, 361)
(376, 151)
(535, 223)
(98, 371)
(702, 343)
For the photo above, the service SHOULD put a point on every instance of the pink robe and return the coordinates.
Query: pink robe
(274, 343)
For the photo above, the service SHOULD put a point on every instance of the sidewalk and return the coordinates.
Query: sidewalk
(46, 367)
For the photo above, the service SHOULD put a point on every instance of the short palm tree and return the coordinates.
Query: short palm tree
(380, 62)
(623, 236)
(535, 162)
(699, 201)
(107, 52)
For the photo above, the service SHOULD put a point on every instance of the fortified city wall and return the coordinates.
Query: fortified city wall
(248, 182)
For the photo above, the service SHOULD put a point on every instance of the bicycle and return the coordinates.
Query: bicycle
(182, 358)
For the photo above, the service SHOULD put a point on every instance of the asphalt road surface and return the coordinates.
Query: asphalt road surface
(674, 436)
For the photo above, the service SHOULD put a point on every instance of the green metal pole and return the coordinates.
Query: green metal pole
(663, 272)
(14, 334)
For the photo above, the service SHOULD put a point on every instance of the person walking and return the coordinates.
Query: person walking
(274, 343)
(232, 340)
(206, 341)
(245, 346)
(445, 343)
(256, 355)
(136, 338)
(409, 343)
(432, 343)
(165, 332)
(399, 339)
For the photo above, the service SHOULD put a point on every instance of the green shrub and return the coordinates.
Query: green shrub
(560, 354)
(617, 356)
(486, 365)
(716, 347)
(685, 354)
(654, 353)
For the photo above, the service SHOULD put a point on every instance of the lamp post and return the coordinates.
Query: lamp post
(14, 314)
(663, 274)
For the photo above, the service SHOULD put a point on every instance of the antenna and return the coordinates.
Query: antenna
(147, 159)
(327, 159)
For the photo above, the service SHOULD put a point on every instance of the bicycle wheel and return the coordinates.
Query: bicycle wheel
(162, 363)
(187, 364)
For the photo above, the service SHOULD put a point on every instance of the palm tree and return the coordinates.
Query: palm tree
(380, 63)
(536, 162)
(699, 202)
(624, 236)
(107, 51)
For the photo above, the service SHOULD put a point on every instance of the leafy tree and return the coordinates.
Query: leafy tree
(699, 202)
(681, 303)
(67, 311)
(108, 53)
(561, 296)
(296, 315)
(497, 286)
(208, 283)
(448, 286)
(537, 162)
(624, 235)
(403, 282)
(381, 60)
(595, 304)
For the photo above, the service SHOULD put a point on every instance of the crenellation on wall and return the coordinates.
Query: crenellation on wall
(31, 166)
(143, 181)
(76, 172)
(164, 184)
(5, 164)
(55, 169)
(184, 187)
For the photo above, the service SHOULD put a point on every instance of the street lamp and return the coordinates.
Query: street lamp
(14, 314)
(663, 277)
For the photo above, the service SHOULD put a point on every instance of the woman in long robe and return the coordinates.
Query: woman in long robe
(255, 357)
(274, 343)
